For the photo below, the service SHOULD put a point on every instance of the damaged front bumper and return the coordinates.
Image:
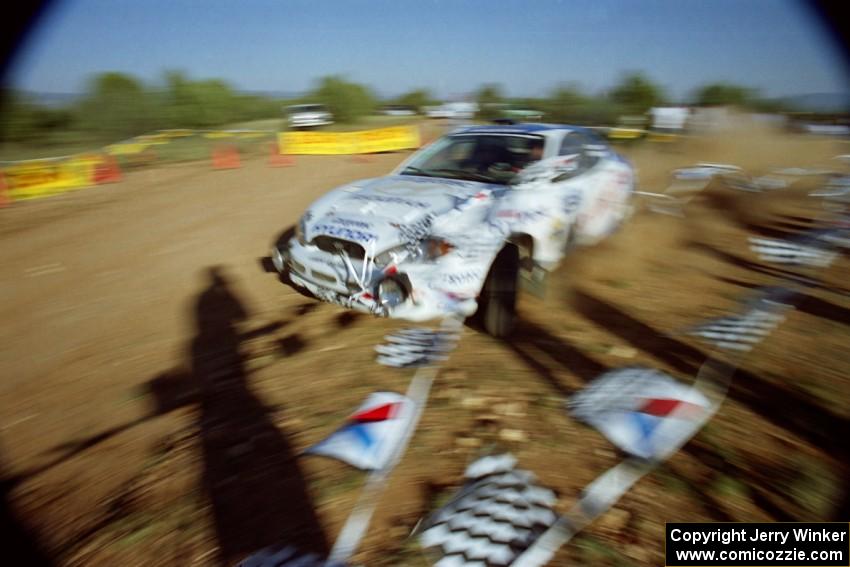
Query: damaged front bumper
(410, 291)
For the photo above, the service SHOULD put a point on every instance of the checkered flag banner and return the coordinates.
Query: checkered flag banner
(742, 332)
(498, 513)
(697, 177)
(411, 348)
(286, 557)
(836, 189)
(789, 252)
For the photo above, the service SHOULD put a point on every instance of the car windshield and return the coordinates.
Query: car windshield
(306, 108)
(490, 158)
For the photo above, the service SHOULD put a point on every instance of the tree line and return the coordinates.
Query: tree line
(117, 105)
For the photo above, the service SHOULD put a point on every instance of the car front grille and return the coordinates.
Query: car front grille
(334, 245)
(297, 266)
(323, 277)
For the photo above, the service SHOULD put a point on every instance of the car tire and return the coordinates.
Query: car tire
(497, 301)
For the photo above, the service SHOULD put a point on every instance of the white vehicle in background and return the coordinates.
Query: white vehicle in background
(452, 228)
(669, 119)
(308, 116)
(453, 110)
(398, 110)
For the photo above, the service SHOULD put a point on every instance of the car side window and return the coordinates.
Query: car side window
(588, 147)
(457, 152)
(571, 144)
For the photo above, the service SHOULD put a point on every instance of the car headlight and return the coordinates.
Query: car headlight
(428, 249)
(391, 293)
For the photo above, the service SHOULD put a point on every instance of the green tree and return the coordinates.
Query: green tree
(19, 121)
(200, 104)
(490, 99)
(418, 99)
(724, 94)
(347, 101)
(637, 94)
(116, 105)
(565, 105)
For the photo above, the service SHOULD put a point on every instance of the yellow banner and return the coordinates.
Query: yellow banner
(42, 178)
(318, 143)
(126, 149)
(217, 135)
(160, 138)
(388, 139)
(625, 133)
(335, 143)
(662, 137)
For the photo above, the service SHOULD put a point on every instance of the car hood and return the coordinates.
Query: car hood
(390, 211)
(308, 114)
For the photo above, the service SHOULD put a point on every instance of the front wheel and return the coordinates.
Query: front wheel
(497, 302)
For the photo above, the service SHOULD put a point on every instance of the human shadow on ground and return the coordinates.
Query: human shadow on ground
(747, 211)
(536, 346)
(258, 494)
(775, 272)
(20, 541)
(251, 477)
(805, 303)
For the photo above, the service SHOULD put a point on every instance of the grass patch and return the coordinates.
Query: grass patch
(616, 283)
(813, 487)
(137, 536)
(368, 122)
(671, 481)
(592, 551)
(328, 487)
(726, 487)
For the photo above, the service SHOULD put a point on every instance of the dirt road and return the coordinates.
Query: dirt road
(158, 385)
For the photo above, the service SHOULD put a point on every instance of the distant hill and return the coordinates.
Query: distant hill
(282, 95)
(64, 99)
(819, 102)
(54, 99)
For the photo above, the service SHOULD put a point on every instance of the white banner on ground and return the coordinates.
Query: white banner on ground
(629, 406)
(497, 514)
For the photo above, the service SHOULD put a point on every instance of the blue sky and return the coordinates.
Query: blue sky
(449, 46)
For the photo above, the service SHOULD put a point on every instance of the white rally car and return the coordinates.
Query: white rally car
(452, 227)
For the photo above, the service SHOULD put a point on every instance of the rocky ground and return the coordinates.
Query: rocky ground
(158, 384)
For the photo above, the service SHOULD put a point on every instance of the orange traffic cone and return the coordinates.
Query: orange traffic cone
(113, 171)
(4, 193)
(107, 170)
(225, 157)
(278, 159)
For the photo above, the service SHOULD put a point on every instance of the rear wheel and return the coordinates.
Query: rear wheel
(497, 302)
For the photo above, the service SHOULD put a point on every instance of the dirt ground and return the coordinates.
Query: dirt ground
(158, 385)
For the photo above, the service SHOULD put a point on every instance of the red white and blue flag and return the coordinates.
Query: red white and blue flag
(372, 434)
(640, 410)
